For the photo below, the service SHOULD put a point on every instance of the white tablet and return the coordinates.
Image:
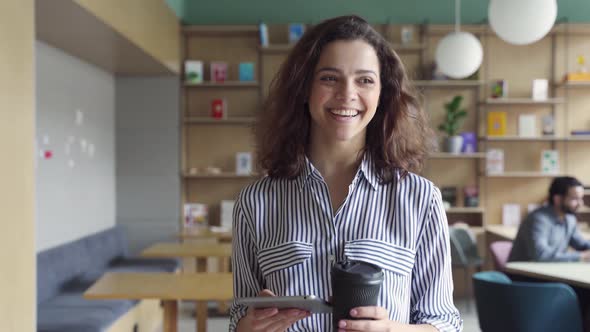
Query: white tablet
(309, 303)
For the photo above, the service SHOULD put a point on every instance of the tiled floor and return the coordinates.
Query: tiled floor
(187, 321)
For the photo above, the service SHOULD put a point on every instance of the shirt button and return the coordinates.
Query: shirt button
(332, 258)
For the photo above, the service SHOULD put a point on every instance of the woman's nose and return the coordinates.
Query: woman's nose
(347, 91)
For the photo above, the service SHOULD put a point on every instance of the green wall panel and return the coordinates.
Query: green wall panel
(375, 11)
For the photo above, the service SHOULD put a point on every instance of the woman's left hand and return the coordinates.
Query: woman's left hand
(370, 319)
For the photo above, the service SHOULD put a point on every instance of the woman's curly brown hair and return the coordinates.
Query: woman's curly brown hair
(398, 136)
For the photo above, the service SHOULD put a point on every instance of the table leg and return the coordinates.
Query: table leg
(201, 264)
(201, 316)
(223, 267)
(170, 316)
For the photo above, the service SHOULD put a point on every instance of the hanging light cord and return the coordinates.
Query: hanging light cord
(457, 15)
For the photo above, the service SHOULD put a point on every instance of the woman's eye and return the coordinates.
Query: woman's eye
(366, 80)
(328, 78)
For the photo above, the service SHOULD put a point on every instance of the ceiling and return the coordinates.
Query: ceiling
(375, 11)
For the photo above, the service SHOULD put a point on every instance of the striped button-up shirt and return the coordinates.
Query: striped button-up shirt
(286, 239)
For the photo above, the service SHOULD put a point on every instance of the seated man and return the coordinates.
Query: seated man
(546, 233)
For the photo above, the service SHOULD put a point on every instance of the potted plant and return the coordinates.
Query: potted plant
(452, 124)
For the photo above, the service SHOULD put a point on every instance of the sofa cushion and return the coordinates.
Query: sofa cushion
(75, 319)
(106, 246)
(76, 300)
(132, 264)
(57, 265)
(81, 282)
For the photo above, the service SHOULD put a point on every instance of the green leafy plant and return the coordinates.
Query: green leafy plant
(454, 118)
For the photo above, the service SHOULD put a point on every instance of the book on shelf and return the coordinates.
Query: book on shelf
(496, 123)
(550, 161)
(527, 125)
(449, 196)
(193, 71)
(263, 30)
(218, 71)
(226, 208)
(244, 163)
(548, 125)
(219, 108)
(499, 89)
(540, 89)
(296, 30)
(471, 196)
(511, 214)
(469, 142)
(407, 34)
(246, 71)
(580, 132)
(195, 215)
(495, 161)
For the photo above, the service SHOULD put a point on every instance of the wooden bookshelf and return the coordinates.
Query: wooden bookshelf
(213, 121)
(524, 175)
(223, 85)
(573, 84)
(220, 30)
(523, 139)
(276, 48)
(408, 47)
(452, 84)
(475, 210)
(222, 175)
(443, 155)
(522, 101)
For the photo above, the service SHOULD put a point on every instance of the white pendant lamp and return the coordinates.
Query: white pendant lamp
(522, 22)
(459, 54)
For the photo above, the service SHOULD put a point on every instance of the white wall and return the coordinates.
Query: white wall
(148, 185)
(75, 191)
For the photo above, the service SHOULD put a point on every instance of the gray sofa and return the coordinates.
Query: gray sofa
(65, 272)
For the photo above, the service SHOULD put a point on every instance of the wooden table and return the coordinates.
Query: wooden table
(572, 273)
(509, 232)
(168, 287)
(200, 252)
(191, 234)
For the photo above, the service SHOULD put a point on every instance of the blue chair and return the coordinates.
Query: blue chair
(464, 255)
(506, 306)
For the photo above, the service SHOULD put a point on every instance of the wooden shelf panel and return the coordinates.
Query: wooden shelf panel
(222, 175)
(465, 210)
(226, 84)
(213, 121)
(448, 83)
(523, 175)
(284, 48)
(522, 101)
(276, 48)
(219, 30)
(578, 138)
(522, 139)
(581, 138)
(407, 47)
(573, 84)
(442, 155)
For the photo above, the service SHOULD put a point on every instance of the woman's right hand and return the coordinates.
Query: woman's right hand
(270, 319)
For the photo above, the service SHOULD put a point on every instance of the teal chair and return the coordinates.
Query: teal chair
(506, 306)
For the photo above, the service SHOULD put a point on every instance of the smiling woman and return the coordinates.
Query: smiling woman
(340, 136)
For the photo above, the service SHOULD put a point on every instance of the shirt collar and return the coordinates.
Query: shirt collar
(366, 169)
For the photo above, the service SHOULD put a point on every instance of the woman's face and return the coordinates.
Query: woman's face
(345, 91)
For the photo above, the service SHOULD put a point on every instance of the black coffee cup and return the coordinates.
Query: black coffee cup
(354, 284)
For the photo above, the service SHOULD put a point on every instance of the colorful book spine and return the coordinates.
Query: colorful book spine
(496, 123)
